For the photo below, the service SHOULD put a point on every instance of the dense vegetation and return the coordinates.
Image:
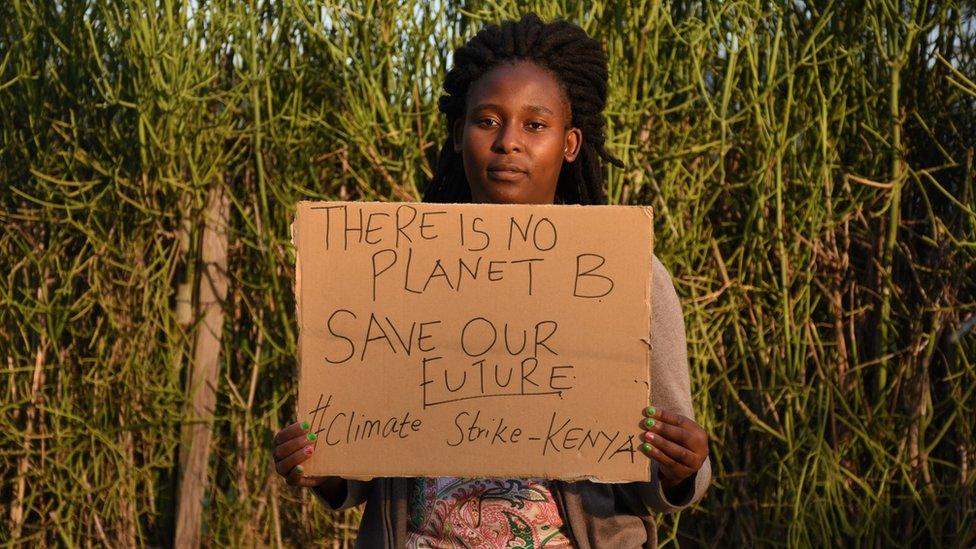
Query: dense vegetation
(811, 165)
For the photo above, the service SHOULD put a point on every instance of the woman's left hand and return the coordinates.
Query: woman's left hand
(677, 443)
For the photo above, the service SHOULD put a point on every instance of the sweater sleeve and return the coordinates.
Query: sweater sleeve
(349, 494)
(670, 387)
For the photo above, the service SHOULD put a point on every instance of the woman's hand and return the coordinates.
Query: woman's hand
(677, 443)
(293, 445)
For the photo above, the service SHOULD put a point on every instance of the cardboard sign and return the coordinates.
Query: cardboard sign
(474, 340)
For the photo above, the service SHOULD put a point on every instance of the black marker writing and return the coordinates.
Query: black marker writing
(586, 265)
(544, 235)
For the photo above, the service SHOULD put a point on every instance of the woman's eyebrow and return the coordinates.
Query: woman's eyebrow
(485, 106)
(539, 109)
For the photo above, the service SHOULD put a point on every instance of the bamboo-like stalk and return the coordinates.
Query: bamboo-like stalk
(17, 514)
(202, 387)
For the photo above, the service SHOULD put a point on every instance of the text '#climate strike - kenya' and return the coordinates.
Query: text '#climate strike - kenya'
(563, 433)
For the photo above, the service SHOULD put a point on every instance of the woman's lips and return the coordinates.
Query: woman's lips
(506, 174)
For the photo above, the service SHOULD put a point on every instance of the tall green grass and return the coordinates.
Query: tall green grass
(811, 165)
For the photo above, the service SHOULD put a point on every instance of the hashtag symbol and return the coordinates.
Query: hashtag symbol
(318, 416)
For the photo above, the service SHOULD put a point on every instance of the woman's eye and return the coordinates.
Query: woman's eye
(486, 122)
(536, 126)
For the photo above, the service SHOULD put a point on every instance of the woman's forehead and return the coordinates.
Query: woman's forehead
(520, 85)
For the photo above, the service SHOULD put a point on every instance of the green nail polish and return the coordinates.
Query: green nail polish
(646, 448)
(648, 423)
(299, 470)
(305, 425)
(650, 410)
(312, 436)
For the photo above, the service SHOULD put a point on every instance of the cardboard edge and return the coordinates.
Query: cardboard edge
(297, 289)
(350, 477)
(570, 478)
(648, 211)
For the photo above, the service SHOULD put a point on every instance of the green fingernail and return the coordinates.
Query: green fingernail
(299, 470)
(650, 410)
(648, 423)
(312, 436)
(646, 448)
(305, 425)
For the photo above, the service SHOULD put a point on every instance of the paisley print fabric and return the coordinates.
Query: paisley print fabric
(485, 513)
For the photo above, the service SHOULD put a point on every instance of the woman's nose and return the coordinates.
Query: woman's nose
(508, 140)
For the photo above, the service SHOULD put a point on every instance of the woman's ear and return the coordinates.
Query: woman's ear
(457, 134)
(574, 140)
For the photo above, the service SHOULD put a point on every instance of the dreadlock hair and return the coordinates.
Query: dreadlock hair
(579, 65)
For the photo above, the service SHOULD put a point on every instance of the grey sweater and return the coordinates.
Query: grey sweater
(597, 515)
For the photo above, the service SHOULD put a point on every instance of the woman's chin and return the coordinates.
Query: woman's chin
(509, 192)
(518, 199)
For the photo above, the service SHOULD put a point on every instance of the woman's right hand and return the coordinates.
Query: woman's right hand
(292, 446)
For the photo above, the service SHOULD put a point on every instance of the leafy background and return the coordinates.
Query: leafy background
(810, 163)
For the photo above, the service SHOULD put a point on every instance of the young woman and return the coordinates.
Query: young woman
(524, 104)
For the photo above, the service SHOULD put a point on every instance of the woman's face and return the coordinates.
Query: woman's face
(515, 135)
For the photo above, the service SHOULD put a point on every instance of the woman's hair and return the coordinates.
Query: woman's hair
(577, 62)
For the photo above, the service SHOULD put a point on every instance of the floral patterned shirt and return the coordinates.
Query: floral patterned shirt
(485, 513)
